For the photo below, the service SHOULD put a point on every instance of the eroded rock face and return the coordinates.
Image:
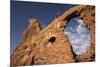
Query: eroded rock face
(51, 45)
(88, 16)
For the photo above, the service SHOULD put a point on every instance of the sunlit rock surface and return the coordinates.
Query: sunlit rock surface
(51, 45)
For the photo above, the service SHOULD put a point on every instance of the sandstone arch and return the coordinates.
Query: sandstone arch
(39, 50)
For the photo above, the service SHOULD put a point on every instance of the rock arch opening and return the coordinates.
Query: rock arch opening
(78, 35)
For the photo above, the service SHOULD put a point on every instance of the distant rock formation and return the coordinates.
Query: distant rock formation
(51, 45)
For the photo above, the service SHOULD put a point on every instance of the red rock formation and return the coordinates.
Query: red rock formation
(51, 45)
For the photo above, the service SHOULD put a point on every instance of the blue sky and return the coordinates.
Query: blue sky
(21, 12)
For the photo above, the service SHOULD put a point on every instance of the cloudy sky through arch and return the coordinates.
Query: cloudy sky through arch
(78, 35)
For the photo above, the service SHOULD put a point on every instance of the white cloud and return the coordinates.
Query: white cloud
(70, 28)
(79, 28)
(83, 35)
(79, 21)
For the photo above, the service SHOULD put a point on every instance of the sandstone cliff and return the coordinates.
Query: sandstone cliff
(51, 45)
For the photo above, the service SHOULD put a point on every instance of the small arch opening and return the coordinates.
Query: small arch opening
(52, 39)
